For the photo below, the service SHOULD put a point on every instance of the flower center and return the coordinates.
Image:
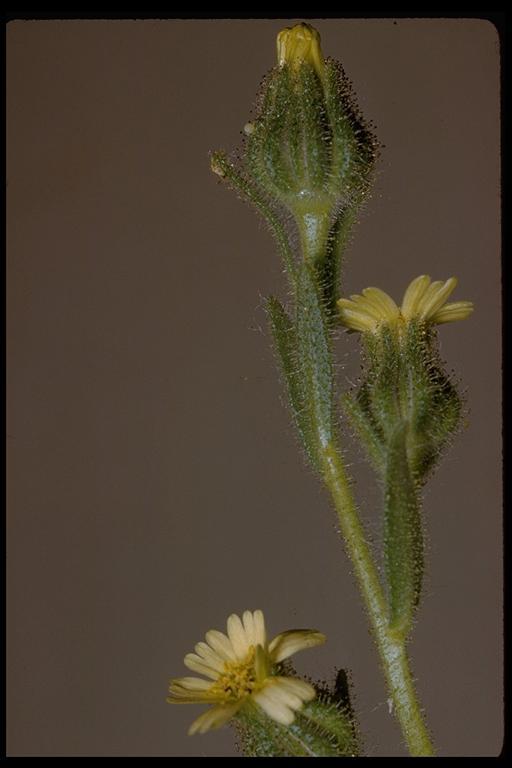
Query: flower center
(238, 678)
(398, 324)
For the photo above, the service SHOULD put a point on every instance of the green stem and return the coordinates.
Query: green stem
(391, 646)
(403, 538)
(313, 233)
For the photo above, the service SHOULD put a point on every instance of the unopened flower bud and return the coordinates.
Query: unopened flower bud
(299, 44)
(309, 147)
(307, 152)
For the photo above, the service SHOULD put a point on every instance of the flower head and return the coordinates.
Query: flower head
(423, 300)
(307, 147)
(299, 44)
(241, 672)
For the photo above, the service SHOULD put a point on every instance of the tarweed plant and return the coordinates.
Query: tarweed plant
(306, 165)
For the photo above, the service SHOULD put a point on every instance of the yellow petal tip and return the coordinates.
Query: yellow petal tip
(299, 44)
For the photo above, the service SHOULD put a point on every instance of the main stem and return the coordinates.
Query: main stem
(313, 231)
(391, 648)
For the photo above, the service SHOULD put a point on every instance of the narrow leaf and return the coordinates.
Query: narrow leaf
(314, 357)
(365, 428)
(285, 341)
(403, 538)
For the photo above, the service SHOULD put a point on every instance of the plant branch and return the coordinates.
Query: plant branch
(391, 646)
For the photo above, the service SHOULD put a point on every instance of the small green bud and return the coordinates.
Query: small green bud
(404, 383)
(309, 148)
(309, 153)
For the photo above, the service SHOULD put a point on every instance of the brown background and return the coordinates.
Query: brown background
(155, 484)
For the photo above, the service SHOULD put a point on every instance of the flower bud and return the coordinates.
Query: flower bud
(298, 44)
(405, 382)
(307, 152)
(309, 148)
(405, 411)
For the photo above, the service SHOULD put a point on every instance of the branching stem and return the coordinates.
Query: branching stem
(391, 647)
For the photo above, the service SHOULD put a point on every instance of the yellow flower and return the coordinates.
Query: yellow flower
(423, 300)
(298, 44)
(240, 668)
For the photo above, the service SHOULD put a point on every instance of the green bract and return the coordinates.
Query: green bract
(325, 727)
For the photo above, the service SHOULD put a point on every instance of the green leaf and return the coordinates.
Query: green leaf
(314, 357)
(364, 426)
(285, 341)
(403, 536)
(328, 261)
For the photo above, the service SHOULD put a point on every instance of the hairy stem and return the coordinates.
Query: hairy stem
(313, 231)
(391, 646)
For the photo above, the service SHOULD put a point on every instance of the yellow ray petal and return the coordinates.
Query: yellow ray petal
(283, 694)
(299, 687)
(191, 690)
(357, 320)
(210, 656)
(275, 709)
(456, 310)
(362, 304)
(292, 641)
(260, 635)
(249, 626)
(435, 297)
(382, 302)
(191, 683)
(215, 717)
(197, 664)
(220, 644)
(413, 296)
(238, 636)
